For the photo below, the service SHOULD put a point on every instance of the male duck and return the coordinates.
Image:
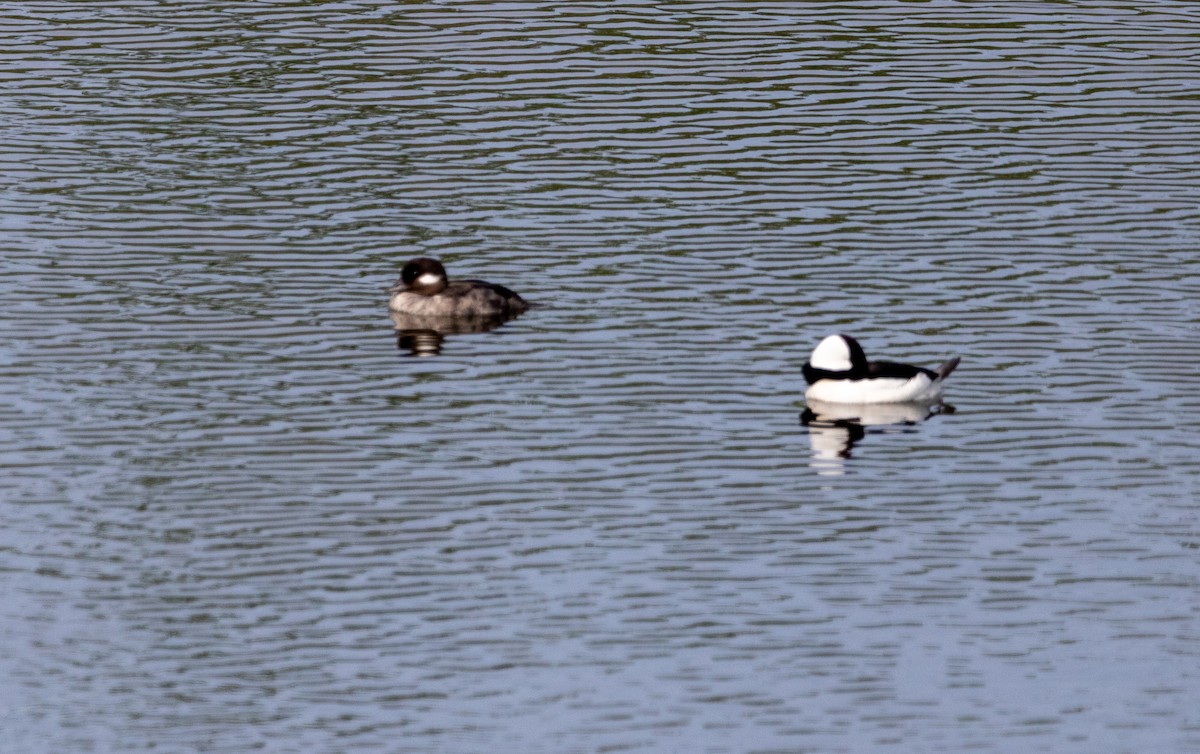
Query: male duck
(838, 372)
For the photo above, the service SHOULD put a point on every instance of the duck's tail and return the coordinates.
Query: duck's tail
(945, 369)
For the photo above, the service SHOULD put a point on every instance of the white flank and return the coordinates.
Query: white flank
(891, 390)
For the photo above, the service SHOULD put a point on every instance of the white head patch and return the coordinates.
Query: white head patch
(832, 354)
(429, 278)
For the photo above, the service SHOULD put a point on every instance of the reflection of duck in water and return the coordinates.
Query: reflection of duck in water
(834, 428)
(425, 306)
(423, 336)
(838, 372)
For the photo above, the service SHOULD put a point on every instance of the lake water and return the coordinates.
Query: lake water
(239, 515)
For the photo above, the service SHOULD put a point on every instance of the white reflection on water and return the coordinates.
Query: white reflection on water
(835, 428)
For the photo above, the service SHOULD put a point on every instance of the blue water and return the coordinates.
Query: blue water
(240, 516)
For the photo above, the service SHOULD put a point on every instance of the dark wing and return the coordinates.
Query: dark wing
(463, 288)
(508, 294)
(892, 370)
(511, 302)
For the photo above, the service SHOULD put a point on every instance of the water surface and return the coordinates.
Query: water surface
(238, 517)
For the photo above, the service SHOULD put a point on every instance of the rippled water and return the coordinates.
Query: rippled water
(238, 517)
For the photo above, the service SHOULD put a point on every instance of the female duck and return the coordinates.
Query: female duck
(424, 291)
(838, 372)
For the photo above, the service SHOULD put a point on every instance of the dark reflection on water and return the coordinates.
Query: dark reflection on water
(234, 520)
(420, 342)
(424, 336)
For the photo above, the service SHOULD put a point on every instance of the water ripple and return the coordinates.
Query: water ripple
(239, 515)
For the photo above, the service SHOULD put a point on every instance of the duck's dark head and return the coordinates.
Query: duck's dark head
(425, 276)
